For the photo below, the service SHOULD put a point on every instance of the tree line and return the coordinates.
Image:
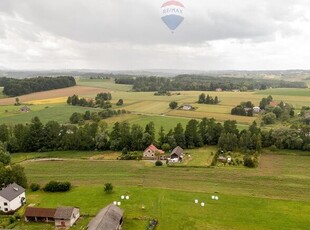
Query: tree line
(16, 87)
(204, 83)
(203, 99)
(102, 100)
(123, 136)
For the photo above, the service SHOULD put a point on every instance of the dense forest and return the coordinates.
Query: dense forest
(204, 83)
(16, 87)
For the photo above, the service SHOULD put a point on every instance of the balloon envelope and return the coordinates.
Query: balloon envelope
(172, 14)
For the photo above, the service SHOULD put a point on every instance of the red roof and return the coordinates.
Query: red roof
(273, 103)
(154, 149)
(40, 212)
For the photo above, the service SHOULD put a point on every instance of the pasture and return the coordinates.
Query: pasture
(274, 196)
(12, 115)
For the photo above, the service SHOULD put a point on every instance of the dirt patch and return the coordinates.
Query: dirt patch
(78, 90)
(270, 163)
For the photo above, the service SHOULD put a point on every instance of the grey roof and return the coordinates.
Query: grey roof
(64, 213)
(11, 191)
(177, 150)
(108, 218)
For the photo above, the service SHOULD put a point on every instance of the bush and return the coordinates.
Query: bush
(273, 148)
(54, 186)
(158, 163)
(34, 187)
(108, 187)
(250, 162)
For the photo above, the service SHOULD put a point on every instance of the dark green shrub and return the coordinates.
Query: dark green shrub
(34, 187)
(108, 187)
(158, 163)
(250, 161)
(54, 186)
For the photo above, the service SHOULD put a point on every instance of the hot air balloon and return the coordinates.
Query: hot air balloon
(172, 14)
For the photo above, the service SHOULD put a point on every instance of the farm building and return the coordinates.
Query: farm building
(152, 152)
(176, 154)
(256, 109)
(25, 109)
(66, 216)
(12, 198)
(187, 107)
(62, 216)
(40, 214)
(109, 218)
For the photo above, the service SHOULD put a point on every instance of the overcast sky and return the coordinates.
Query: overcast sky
(130, 35)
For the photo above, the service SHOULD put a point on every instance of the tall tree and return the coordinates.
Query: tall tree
(179, 135)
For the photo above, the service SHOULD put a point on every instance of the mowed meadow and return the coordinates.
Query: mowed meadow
(142, 105)
(276, 195)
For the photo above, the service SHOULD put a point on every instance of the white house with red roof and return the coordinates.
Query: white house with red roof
(152, 153)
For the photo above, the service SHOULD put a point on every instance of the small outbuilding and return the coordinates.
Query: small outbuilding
(62, 216)
(256, 109)
(25, 109)
(40, 214)
(176, 154)
(12, 197)
(109, 218)
(187, 107)
(66, 216)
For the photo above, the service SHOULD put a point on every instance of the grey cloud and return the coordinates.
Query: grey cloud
(138, 21)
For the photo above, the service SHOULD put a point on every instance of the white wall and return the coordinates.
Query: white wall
(13, 204)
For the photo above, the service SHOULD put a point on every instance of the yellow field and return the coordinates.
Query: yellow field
(148, 107)
(56, 100)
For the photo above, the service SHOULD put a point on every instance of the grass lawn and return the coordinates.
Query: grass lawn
(199, 157)
(274, 196)
(176, 209)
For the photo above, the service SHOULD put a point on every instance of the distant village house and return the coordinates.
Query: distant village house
(12, 198)
(153, 153)
(25, 109)
(187, 107)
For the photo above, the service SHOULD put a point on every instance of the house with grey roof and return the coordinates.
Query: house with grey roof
(176, 154)
(12, 197)
(109, 218)
(66, 216)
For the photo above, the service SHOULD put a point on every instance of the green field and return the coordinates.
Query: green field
(105, 84)
(60, 113)
(274, 196)
(286, 92)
